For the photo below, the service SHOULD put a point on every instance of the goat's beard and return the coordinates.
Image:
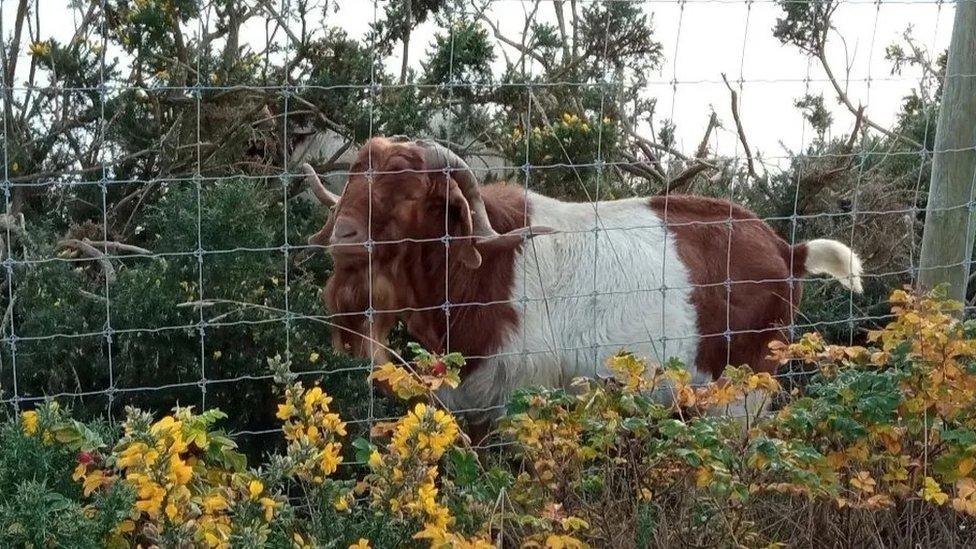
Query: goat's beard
(347, 297)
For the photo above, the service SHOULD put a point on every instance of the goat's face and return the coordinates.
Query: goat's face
(391, 202)
(391, 208)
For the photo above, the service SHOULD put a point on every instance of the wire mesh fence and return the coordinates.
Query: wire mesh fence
(154, 246)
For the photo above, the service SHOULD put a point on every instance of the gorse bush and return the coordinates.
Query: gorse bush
(41, 505)
(879, 449)
(158, 354)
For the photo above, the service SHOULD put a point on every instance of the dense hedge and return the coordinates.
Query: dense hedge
(879, 450)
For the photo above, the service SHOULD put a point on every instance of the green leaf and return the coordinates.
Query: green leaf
(691, 457)
(464, 465)
(634, 423)
(235, 461)
(363, 449)
(672, 427)
(961, 436)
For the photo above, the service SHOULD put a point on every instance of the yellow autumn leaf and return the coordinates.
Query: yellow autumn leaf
(864, 482)
(879, 501)
(932, 492)
(404, 384)
(703, 476)
(965, 466)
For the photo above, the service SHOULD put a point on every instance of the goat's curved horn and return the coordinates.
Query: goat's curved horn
(324, 195)
(438, 157)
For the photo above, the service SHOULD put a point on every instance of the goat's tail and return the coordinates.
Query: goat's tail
(822, 256)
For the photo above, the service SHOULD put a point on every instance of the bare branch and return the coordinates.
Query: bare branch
(750, 164)
(407, 24)
(685, 177)
(703, 146)
(811, 183)
(564, 38)
(644, 169)
(525, 31)
(79, 171)
(14, 51)
(281, 22)
(13, 224)
(174, 20)
(859, 118)
(329, 123)
(645, 143)
(87, 249)
(336, 155)
(118, 247)
(846, 101)
(689, 173)
(576, 25)
(7, 315)
(526, 51)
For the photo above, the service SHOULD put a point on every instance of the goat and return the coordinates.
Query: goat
(536, 291)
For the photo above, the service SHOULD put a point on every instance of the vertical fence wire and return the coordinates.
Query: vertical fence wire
(859, 177)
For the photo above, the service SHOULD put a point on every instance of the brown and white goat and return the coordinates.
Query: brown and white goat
(536, 291)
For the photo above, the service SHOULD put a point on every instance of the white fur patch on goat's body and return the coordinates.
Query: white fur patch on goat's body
(610, 280)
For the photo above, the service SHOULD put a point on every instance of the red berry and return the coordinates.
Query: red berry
(84, 458)
(439, 368)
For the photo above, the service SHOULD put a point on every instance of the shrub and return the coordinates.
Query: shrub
(41, 505)
(879, 449)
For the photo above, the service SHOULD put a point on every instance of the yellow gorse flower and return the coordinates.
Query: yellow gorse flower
(312, 431)
(298, 542)
(428, 431)
(285, 411)
(29, 421)
(215, 501)
(169, 465)
(403, 478)
(315, 400)
(329, 459)
(254, 489)
(179, 471)
(268, 507)
(40, 49)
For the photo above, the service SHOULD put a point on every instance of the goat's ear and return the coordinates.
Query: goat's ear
(469, 249)
(512, 239)
(462, 248)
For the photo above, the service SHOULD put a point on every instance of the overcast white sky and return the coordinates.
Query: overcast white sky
(703, 39)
